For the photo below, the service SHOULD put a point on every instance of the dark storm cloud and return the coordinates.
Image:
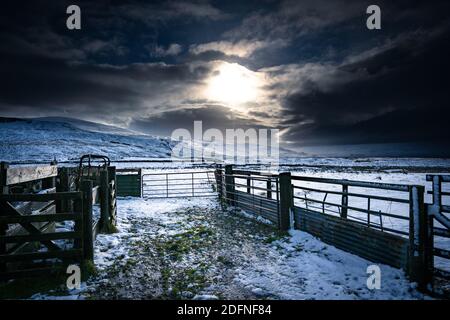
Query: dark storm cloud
(92, 73)
(212, 116)
(327, 79)
(408, 82)
(54, 86)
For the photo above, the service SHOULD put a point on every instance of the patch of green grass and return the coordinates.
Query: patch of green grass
(179, 244)
(88, 269)
(186, 280)
(110, 228)
(276, 236)
(225, 261)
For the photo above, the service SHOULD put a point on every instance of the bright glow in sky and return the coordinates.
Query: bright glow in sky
(233, 84)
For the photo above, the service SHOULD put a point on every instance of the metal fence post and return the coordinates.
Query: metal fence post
(344, 201)
(249, 185)
(229, 184)
(285, 200)
(88, 238)
(104, 201)
(420, 251)
(269, 188)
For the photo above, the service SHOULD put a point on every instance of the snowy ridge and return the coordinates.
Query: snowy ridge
(45, 139)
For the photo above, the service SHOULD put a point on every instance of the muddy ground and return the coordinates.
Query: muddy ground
(192, 253)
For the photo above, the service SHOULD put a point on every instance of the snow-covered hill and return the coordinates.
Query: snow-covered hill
(45, 139)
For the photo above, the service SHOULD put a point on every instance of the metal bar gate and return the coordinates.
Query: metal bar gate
(179, 184)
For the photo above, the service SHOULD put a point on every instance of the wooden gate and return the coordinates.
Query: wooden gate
(30, 243)
(46, 222)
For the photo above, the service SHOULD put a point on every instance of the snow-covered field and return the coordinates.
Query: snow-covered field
(190, 248)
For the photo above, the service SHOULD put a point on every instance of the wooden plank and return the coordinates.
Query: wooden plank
(96, 194)
(441, 232)
(41, 218)
(41, 237)
(18, 247)
(104, 202)
(16, 175)
(88, 239)
(28, 207)
(444, 178)
(44, 197)
(63, 254)
(443, 253)
(442, 273)
(8, 209)
(30, 273)
(95, 228)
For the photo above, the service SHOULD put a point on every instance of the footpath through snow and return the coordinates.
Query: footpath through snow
(192, 249)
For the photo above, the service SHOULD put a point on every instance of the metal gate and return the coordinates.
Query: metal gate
(439, 211)
(179, 184)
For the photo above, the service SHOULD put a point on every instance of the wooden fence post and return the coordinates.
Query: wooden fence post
(50, 182)
(420, 251)
(104, 201)
(218, 175)
(344, 201)
(285, 201)
(229, 184)
(3, 172)
(113, 195)
(88, 238)
(63, 185)
(141, 183)
(3, 227)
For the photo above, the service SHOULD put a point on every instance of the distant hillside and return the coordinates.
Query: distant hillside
(68, 139)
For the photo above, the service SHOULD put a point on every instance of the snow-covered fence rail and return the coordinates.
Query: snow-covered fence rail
(355, 216)
(439, 222)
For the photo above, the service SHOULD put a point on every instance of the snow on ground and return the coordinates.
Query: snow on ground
(109, 247)
(191, 248)
(302, 267)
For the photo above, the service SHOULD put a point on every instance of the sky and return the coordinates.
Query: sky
(310, 68)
